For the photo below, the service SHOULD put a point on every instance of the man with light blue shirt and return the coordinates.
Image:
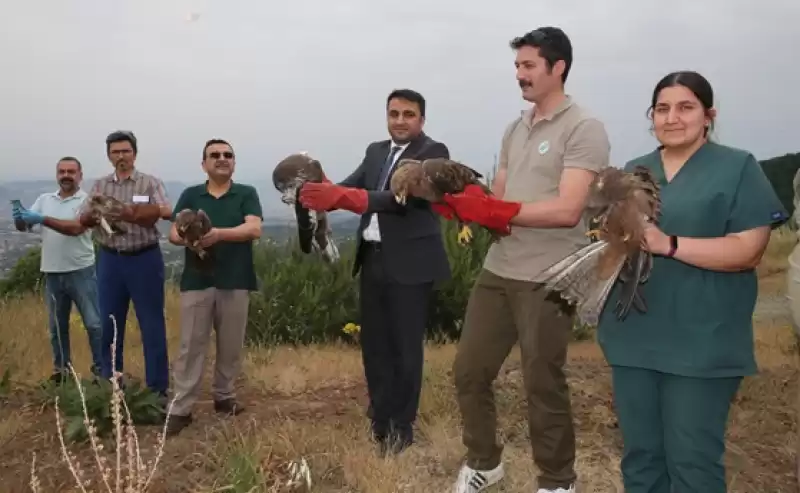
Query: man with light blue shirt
(67, 263)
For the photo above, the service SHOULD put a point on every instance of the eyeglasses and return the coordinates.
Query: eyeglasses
(217, 155)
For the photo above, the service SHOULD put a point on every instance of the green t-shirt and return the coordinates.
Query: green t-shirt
(233, 261)
(699, 322)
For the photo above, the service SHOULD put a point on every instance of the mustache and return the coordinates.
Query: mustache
(524, 83)
(66, 180)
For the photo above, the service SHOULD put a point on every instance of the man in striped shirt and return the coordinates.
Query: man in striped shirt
(130, 266)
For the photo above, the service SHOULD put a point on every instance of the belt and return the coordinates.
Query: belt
(129, 253)
(374, 246)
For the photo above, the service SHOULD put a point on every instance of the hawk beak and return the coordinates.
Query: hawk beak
(288, 196)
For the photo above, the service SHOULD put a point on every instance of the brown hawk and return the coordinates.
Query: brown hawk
(313, 227)
(620, 203)
(431, 179)
(192, 226)
(106, 212)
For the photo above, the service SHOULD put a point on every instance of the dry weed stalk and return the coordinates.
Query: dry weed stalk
(137, 477)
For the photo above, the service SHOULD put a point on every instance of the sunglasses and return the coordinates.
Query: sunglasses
(217, 155)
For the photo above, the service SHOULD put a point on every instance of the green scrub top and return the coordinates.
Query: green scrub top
(233, 261)
(699, 322)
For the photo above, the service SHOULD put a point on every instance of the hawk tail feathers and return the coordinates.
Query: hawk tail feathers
(575, 279)
(636, 273)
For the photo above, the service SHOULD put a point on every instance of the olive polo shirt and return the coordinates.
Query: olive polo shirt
(534, 157)
(233, 261)
(699, 323)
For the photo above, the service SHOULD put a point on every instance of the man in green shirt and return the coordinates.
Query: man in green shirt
(219, 295)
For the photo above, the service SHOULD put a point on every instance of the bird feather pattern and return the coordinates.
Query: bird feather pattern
(431, 179)
(192, 226)
(106, 210)
(313, 228)
(620, 203)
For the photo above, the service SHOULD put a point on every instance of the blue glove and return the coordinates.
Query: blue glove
(29, 217)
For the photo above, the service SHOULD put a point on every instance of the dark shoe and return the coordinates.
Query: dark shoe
(60, 377)
(379, 431)
(400, 438)
(177, 423)
(228, 406)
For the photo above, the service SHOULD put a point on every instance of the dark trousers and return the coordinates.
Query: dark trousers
(393, 320)
(138, 278)
(62, 290)
(500, 313)
(673, 429)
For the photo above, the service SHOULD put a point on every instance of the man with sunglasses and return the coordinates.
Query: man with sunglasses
(218, 295)
(549, 157)
(130, 266)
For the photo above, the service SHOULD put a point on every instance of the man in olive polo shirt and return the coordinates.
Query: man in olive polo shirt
(218, 296)
(549, 157)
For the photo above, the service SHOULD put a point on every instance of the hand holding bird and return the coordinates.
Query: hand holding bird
(454, 190)
(195, 228)
(623, 204)
(107, 213)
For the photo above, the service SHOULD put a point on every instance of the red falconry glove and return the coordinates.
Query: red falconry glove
(474, 206)
(327, 196)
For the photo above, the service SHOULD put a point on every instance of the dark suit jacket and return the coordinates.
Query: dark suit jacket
(411, 237)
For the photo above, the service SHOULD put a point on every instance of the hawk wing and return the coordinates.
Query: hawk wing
(107, 211)
(449, 176)
(621, 202)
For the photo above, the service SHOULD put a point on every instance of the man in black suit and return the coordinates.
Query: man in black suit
(401, 256)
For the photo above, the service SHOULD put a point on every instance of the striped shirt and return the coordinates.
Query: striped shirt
(139, 188)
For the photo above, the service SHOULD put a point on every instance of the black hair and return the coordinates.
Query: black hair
(211, 142)
(70, 158)
(691, 80)
(553, 45)
(122, 136)
(408, 95)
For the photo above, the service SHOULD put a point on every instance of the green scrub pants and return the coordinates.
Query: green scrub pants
(673, 430)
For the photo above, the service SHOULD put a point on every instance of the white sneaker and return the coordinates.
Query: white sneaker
(472, 481)
(557, 490)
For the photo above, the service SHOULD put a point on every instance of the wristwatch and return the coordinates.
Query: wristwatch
(673, 245)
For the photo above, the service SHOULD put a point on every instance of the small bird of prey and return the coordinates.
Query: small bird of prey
(430, 179)
(192, 226)
(313, 228)
(620, 204)
(106, 211)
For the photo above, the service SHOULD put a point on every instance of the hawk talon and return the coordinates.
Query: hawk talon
(465, 235)
(593, 233)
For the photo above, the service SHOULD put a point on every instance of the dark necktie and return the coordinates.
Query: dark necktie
(387, 167)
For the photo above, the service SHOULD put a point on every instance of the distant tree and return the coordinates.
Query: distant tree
(781, 170)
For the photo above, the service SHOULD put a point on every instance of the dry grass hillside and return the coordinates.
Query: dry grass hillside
(310, 403)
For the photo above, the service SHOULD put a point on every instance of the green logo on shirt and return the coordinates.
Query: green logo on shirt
(544, 147)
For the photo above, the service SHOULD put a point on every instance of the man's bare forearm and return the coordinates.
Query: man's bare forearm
(63, 226)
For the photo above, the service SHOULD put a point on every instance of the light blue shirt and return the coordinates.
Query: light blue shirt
(62, 253)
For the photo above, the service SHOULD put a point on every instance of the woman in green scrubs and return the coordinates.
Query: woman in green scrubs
(676, 368)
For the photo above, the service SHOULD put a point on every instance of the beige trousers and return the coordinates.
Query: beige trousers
(225, 311)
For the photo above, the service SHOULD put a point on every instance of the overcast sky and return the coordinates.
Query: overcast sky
(274, 77)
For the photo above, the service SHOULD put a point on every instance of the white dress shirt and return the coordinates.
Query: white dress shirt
(373, 232)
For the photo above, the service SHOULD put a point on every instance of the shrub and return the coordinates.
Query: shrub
(301, 299)
(25, 277)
